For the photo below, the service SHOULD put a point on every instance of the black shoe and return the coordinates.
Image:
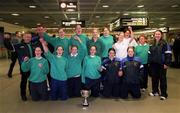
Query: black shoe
(9, 75)
(24, 98)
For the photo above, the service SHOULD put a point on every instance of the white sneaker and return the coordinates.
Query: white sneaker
(162, 98)
(143, 89)
(153, 94)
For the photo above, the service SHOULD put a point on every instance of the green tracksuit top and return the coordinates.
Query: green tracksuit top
(58, 66)
(99, 46)
(142, 52)
(38, 67)
(74, 67)
(107, 42)
(91, 67)
(84, 40)
(55, 42)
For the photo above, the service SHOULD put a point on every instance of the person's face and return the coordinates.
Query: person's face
(127, 33)
(38, 52)
(95, 33)
(121, 36)
(59, 51)
(93, 50)
(106, 32)
(142, 40)
(112, 54)
(130, 52)
(61, 33)
(157, 35)
(18, 34)
(78, 29)
(27, 38)
(74, 50)
(7, 36)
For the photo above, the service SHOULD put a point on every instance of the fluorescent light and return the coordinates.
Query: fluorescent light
(97, 16)
(117, 12)
(46, 17)
(140, 6)
(105, 6)
(73, 18)
(16, 23)
(15, 14)
(163, 18)
(125, 14)
(174, 6)
(32, 6)
(38, 24)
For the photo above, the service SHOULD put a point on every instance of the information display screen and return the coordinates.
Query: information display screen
(134, 22)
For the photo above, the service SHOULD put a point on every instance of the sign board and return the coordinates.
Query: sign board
(72, 23)
(134, 22)
(115, 25)
(68, 6)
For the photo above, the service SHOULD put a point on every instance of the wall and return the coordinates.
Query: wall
(12, 28)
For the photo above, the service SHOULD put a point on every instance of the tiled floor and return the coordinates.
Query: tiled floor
(10, 101)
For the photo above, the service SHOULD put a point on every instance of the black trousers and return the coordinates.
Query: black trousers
(93, 85)
(23, 84)
(144, 82)
(111, 89)
(74, 86)
(159, 75)
(38, 91)
(13, 62)
(133, 89)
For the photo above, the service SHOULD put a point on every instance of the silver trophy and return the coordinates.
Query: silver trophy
(85, 94)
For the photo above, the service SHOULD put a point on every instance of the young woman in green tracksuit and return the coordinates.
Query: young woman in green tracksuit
(58, 72)
(141, 51)
(39, 68)
(74, 69)
(90, 74)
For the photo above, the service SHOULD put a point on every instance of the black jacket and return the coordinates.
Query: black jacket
(160, 53)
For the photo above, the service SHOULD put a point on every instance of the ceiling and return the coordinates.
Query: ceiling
(160, 12)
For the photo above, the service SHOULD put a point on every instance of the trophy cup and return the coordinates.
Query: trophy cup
(85, 94)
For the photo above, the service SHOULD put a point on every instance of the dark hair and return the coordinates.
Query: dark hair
(74, 46)
(130, 47)
(158, 31)
(59, 46)
(112, 49)
(93, 46)
(17, 32)
(126, 29)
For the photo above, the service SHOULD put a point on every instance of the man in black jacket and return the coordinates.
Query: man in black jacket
(23, 49)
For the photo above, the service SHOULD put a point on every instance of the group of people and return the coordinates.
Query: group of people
(97, 64)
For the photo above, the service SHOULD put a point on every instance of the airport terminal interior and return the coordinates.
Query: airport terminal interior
(144, 17)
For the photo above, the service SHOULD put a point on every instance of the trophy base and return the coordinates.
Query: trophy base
(85, 105)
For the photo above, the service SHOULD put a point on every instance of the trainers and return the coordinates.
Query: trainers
(153, 94)
(143, 89)
(24, 98)
(162, 98)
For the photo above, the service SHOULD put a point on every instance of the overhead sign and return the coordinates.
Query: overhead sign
(134, 22)
(68, 6)
(115, 25)
(72, 23)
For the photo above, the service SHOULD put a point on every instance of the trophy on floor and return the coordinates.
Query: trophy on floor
(85, 94)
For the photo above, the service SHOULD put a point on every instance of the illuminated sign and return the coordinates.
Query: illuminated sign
(134, 22)
(115, 25)
(72, 23)
(68, 6)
